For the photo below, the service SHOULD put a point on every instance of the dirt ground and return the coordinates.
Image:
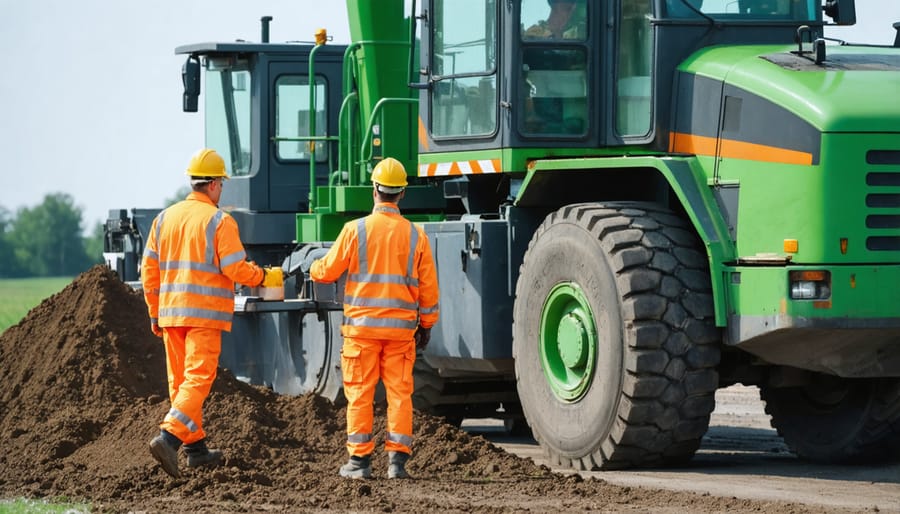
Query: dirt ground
(84, 388)
(742, 456)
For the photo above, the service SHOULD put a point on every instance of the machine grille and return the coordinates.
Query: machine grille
(883, 201)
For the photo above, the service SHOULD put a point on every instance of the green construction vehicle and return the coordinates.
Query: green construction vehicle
(631, 203)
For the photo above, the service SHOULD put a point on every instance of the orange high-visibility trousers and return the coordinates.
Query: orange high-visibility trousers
(363, 363)
(192, 357)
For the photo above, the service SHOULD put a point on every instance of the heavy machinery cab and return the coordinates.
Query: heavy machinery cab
(257, 105)
(575, 74)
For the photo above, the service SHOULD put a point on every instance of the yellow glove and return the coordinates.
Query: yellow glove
(274, 277)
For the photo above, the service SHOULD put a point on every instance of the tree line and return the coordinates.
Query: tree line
(47, 240)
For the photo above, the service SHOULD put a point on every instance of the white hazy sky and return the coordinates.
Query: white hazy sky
(90, 95)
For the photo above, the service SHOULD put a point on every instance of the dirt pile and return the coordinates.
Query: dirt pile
(84, 389)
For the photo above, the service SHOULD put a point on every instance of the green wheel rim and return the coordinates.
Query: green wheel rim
(568, 342)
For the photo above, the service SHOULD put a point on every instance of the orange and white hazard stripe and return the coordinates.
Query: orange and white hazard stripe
(444, 169)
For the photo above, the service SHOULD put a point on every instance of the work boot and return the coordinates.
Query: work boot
(199, 455)
(397, 465)
(164, 449)
(357, 467)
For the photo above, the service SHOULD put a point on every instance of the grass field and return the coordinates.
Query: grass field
(23, 506)
(20, 295)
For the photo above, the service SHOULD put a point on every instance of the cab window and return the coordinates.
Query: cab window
(292, 118)
(633, 69)
(464, 96)
(553, 95)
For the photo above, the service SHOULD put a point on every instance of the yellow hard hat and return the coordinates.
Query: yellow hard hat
(389, 176)
(206, 163)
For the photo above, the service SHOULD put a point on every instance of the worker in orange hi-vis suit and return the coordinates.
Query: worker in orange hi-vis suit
(390, 305)
(191, 261)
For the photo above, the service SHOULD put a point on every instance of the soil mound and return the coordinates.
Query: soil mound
(84, 388)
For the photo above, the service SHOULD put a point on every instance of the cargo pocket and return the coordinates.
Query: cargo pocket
(351, 364)
(409, 360)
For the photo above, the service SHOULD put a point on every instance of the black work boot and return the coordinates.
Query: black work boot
(397, 465)
(164, 449)
(199, 455)
(357, 467)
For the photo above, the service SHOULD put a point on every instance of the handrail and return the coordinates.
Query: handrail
(366, 142)
(349, 69)
(344, 156)
(312, 125)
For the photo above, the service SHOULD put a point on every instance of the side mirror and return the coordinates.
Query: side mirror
(190, 77)
(843, 12)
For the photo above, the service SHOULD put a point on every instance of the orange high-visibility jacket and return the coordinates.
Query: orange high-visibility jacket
(192, 259)
(391, 280)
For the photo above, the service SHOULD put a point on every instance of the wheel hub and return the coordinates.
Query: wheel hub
(568, 342)
(571, 339)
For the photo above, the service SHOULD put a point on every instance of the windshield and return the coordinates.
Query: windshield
(781, 10)
(228, 117)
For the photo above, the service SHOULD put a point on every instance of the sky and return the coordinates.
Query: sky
(90, 95)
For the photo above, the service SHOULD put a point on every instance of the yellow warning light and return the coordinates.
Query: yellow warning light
(844, 245)
(376, 141)
(853, 280)
(791, 246)
(321, 36)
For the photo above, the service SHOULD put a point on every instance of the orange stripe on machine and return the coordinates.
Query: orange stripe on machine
(443, 169)
(731, 149)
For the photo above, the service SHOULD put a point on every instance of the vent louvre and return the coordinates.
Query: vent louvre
(883, 221)
(883, 179)
(883, 243)
(883, 157)
(883, 201)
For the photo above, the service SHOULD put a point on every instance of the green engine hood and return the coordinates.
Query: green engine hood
(857, 89)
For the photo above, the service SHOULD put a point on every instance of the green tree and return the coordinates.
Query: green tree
(93, 244)
(47, 239)
(9, 266)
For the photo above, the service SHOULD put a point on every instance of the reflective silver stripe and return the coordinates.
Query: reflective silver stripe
(193, 312)
(405, 440)
(193, 288)
(211, 237)
(429, 310)
(357, 301)
(383, 279)
(364, 321)
(231, 259)
(413, 239)
(359, 438)
(154, 320)
(361, 241)
(382, 208)
(193, 266)
(182, 417)
(159, 222)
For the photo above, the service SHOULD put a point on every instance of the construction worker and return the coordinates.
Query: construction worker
(390, 305)
(191, 261)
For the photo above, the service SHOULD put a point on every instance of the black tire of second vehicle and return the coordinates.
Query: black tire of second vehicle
(838, 420)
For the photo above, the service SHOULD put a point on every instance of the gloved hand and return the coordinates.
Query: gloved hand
(312, 255)
(273, 277)
(422, 337)
(154, 327)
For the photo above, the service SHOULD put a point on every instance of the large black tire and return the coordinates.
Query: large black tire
(838, 420)
(623, 372)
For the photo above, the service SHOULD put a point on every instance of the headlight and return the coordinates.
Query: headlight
(810, 285)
